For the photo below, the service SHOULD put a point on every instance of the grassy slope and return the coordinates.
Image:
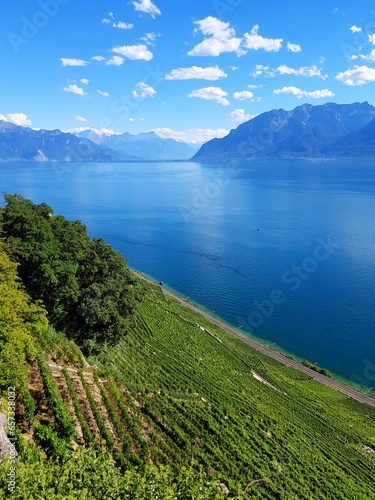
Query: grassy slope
(303, 441)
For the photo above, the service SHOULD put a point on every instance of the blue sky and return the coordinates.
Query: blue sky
(191, 70)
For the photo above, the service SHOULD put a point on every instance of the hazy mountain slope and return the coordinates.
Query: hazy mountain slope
(22, 143)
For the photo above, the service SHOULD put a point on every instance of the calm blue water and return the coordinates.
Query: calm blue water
(235, 238)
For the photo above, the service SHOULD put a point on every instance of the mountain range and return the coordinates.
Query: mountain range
(147, 146)
(328, 130)
(26, 144)
(324, 131)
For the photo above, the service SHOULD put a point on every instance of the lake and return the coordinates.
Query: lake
(284, 250)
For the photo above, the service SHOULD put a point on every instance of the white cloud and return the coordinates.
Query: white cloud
(242, 96)
(80, 119)
(106, 21)
(252, 87)
(316, 94)
(196, 73)
(84, 81)
(102, 93)
(234, 68)
(293, 47)
(123, 26)
(307, 71)
(134, 52)
(371, 39)
(355, 29)
(222, 38)
(74, 89)
(131, 120)
(253, 41)
(150, 37)
(191, 136)
(147, 6)
(115, 61)
(73, 62)
(211, 94)
(102, 131)
(17, 118)
(239, 116)
(356, 77)
(98, 58)
(143, 91)
(261, 70)
(369, 57)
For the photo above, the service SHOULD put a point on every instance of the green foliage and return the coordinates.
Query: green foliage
(296, 439)
(84, 284)
(312, 366)
(50, 442)
(91, 475)
(63, 422)
(20, 322)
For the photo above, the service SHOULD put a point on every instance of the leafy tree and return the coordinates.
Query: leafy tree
(84, 284)
(20, 322)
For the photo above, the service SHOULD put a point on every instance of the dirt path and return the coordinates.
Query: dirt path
(335, 384)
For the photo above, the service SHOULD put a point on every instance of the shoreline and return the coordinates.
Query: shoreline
(264, 349)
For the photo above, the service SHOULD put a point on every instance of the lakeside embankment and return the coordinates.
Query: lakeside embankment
(268, 351)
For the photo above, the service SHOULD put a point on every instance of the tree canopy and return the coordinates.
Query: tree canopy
(84, 284)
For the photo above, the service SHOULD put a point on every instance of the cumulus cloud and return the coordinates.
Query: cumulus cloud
(369, 57)
(239, 116)
(355, 29)
(115, 61)
(150, 37)
(143, 91)
(17, 119)
(254, 41)
(80, 119)
(242, 96)
(211, 94)
(134, 52)
(293, 47)
(197, 73)
(221, 38)
(316, 94)
(305, 71)
(103, 93)
(123, 26)
(356, 77)
(84, 81)
(73, 62)
(371, 39)
(74, 89)
(98, 58)
(147, 6)
(191, 136)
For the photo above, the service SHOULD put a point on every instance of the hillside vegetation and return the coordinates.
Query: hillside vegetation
(169, 406)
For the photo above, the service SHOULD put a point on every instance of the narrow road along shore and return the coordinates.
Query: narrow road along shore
(278, 356)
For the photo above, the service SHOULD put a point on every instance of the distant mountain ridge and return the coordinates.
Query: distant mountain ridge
(25, 144)
(305, 132)
(148, 146)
